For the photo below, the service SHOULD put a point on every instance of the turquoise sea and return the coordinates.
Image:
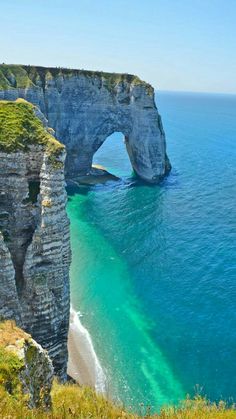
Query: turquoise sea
(153, 269)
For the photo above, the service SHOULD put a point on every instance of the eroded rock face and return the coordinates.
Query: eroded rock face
(84, 108)
(35, 247)
(30, 366)
(9, 302)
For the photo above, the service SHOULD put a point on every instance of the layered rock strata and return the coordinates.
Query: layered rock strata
(85, 107)
(34, 238)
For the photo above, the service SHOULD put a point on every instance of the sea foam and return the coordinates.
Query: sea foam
(83, 364)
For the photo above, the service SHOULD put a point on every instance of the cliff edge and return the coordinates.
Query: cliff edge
(34, 229)
(85, 107)
(25, 367)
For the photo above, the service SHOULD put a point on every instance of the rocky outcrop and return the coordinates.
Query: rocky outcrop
(85, 107)
(34, 238)
(25, 366)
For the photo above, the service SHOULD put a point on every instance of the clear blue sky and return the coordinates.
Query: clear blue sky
(174, 44)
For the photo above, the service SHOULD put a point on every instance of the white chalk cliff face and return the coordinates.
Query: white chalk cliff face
(34, 241)
(85, 107)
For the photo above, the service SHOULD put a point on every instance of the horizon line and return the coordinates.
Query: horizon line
(194, 91)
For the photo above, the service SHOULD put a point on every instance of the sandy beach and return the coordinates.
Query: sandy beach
(83, 364)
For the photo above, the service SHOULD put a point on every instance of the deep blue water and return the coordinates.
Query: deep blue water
(154, 268)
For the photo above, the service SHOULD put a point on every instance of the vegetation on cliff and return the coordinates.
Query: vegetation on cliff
(20, 128)
(25, 76)
(10, 367)
(26, 371)
(71, 400)
(13, 76)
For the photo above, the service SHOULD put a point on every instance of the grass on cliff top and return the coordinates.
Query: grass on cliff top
(14, 76)
(10, 369)
(25, 76)
(72, 401)
(10, 364)
(10, 333)
(20, 128)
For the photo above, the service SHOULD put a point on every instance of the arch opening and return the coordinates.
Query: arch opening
(112, 155)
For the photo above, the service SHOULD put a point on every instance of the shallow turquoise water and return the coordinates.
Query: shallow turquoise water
(153, 268)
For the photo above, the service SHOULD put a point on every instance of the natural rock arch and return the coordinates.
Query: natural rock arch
(85, 107)
(112, 156)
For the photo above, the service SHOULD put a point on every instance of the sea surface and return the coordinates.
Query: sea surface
(153, 269)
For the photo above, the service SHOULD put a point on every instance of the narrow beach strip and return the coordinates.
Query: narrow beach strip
(83, 364)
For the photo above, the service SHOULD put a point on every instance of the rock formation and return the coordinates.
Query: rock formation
(34, 230)
(25, 366)
(85, 107)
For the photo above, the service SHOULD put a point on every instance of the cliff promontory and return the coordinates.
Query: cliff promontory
(85, 107)
(34, 229)
(25, 367)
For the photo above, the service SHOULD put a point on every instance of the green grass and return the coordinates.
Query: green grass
(14, 76)
(20, 128)
(72, 401)
(10, 367)
(10, 364)
(23, 76)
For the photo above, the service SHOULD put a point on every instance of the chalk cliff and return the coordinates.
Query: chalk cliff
(34, 229)
(85, 107)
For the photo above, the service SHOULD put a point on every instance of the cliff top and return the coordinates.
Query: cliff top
(10, 333)
(24, 76)
(25, 368)
(20, 128)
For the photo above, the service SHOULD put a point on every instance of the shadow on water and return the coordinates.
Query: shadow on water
(172, 180)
